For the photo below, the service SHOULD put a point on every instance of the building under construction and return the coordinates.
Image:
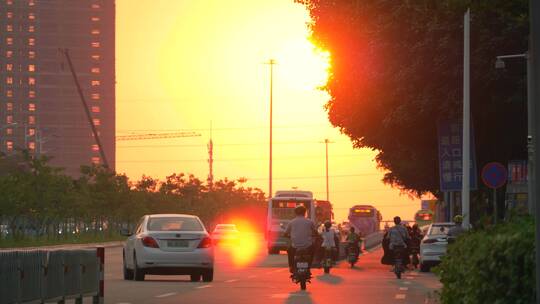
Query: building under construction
(40, 109)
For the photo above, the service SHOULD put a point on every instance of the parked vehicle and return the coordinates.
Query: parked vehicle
(302, 272)
(225, 233)
(433, 245)
(168, 244)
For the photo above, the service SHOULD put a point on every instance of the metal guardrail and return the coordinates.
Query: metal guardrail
(373, 239)
(38, 276)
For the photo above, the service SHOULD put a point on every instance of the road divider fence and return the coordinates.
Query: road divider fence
(373, 240)
(38, 276)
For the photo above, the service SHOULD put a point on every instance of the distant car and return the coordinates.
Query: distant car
(169, 244)
(433, 245)
(225, 233)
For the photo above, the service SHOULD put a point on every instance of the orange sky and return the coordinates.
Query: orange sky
(183, 64)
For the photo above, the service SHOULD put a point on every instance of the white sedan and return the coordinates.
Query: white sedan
(225, 233)
(433, 245)
(169, 244)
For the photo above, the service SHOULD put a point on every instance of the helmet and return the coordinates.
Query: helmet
(458, 219)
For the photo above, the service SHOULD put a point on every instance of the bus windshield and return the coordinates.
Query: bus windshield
(284, 209)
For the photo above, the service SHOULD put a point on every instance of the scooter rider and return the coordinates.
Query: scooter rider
(301, 232)
(353, 241)
(398, 237)
(328, 235)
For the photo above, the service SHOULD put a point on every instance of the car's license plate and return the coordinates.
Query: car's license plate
(302, 265)
(177, 243)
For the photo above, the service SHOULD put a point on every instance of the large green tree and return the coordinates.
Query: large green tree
(396, 70)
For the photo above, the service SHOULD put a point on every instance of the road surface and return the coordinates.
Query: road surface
(264, 279)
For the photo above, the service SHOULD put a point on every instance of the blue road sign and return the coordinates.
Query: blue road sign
(450, 156)
(494, 175)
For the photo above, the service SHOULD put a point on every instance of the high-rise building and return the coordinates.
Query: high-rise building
(40, 109)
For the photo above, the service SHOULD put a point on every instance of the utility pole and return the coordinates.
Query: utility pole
(271, 62)
(86, 110)
(326, 142)
(534, 53)
(466, 148)
(210, 160)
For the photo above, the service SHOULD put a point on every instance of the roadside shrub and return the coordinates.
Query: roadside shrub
(492, 265)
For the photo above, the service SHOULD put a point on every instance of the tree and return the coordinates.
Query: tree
(396, 69)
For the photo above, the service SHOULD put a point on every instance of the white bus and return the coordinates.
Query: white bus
(281, 212)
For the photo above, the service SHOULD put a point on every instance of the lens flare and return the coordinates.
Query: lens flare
(247, 249)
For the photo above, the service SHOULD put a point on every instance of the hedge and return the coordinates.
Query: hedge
(493, 265)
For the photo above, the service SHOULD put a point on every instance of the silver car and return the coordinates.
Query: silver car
(169, 244)
(433, 245)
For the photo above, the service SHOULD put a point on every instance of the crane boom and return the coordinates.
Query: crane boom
(156, 136)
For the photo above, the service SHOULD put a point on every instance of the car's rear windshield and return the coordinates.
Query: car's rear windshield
(174, 224)
(440, 230)
(226, 227)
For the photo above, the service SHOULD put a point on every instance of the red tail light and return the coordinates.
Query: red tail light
(205, 243)
(149, 241)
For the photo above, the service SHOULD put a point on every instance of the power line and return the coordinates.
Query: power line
(231, 159)
(224, 129)
(222, 145)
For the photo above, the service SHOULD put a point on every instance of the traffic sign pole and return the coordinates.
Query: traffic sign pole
(494, 175)
(495, 208)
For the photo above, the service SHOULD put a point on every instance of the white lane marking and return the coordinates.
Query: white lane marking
(400, 296)
(409, 278)
(404, 288)
(407, 282)
(252, 276)
(204, 286)
(231, 281)
(123, 303)
(166, 295)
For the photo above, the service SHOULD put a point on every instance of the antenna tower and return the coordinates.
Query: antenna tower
(210, 159)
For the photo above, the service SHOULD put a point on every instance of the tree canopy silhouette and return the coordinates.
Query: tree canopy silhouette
(396, 69)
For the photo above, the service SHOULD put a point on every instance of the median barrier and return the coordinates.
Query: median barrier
(39, 276)
(373, 240)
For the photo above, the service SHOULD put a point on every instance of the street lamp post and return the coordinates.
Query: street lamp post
(531, 136)
(271, 63)
(326, 142)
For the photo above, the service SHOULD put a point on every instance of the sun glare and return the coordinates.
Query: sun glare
(304, 66)
(246, 250)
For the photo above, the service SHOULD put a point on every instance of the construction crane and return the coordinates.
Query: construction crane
(156, 136)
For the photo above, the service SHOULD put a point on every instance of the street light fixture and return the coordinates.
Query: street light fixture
(499, 64)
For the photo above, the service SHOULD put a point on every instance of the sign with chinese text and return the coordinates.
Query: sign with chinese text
(451, 158)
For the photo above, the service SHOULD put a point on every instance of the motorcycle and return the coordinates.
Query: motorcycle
(327, 261)
(398, 261)
(352, 257)
(302, 273)
(415, 261)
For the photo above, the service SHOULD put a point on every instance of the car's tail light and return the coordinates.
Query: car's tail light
(206, 242)
(149, 241)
